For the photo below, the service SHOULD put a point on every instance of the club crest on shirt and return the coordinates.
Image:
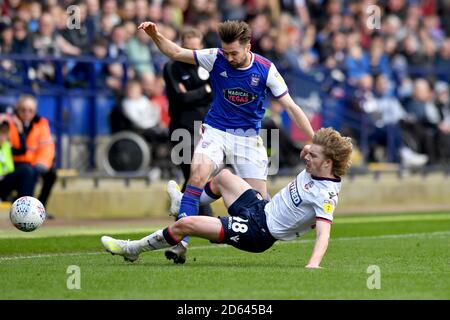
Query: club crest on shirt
(309, 185)
(205, 144)
(238, 96)
(255, 80)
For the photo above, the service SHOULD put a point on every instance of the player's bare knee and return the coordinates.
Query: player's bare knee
(180, 227)
(186, 225)
(222, 176)
(197, 179)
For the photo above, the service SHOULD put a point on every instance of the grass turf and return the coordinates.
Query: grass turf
(412, 252)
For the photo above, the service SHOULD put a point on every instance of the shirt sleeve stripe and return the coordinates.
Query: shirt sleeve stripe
(281, 95)
(195, 57)
(325, 220)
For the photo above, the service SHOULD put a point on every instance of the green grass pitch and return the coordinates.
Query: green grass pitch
(412, 252)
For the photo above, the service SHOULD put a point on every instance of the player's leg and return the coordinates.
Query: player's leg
(204, 227)
(251, 162)
(201, 169)
(225, 184)
(229, 186)
(207, 157)
(201, 226)
(259, 185)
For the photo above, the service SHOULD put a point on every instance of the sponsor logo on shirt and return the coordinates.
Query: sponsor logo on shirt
(235, 238)
(238, 96)
(293, 191)
(332, 194)
(279, 78)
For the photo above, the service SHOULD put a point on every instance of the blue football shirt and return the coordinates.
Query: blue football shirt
(239, 93)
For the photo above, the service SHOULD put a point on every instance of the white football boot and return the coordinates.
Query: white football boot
(120, 247)
(175, 195)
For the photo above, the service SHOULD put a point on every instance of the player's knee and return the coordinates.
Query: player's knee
(223, 176)
(197, 178)
(184, 226)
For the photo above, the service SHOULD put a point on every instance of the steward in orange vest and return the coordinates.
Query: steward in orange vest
(40, 149)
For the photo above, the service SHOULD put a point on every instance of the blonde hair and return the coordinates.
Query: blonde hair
(336, 148)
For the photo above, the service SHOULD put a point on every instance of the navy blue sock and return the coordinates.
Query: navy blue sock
(169, 237)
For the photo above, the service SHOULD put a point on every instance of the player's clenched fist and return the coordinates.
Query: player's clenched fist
(149, 28)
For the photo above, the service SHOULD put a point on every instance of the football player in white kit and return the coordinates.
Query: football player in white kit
(254, 224)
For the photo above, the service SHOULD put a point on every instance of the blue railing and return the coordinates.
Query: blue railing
(55, 98)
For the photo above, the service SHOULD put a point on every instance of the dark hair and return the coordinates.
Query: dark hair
(4, 126)
(230, 31)
(190, 32)
(100, 42)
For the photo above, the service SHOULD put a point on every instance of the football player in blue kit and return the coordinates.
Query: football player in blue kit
(240, 80)
(255, 224)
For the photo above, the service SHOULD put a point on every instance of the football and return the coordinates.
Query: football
(27, 214)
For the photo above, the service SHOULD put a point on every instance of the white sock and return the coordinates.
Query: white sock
(208, 195)
(184, 243)
(152, 242)
(205, 199)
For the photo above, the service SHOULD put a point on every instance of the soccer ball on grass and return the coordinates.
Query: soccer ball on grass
(27, 214)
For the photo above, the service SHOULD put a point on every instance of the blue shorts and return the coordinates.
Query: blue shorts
(246, 227)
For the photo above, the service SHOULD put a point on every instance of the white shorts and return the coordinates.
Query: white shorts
(247, 155)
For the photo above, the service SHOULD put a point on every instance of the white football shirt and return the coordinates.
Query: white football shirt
(293, 211)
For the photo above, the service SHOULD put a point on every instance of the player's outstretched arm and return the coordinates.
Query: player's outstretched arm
(323, 230)
(297, 115)
(167, 47)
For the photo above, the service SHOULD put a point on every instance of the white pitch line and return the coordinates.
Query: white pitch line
(386, 236)
(49, 255)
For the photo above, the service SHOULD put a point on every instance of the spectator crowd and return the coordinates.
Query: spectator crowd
(393, 72)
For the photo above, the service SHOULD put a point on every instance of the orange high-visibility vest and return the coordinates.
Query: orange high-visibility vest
(40, 146)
